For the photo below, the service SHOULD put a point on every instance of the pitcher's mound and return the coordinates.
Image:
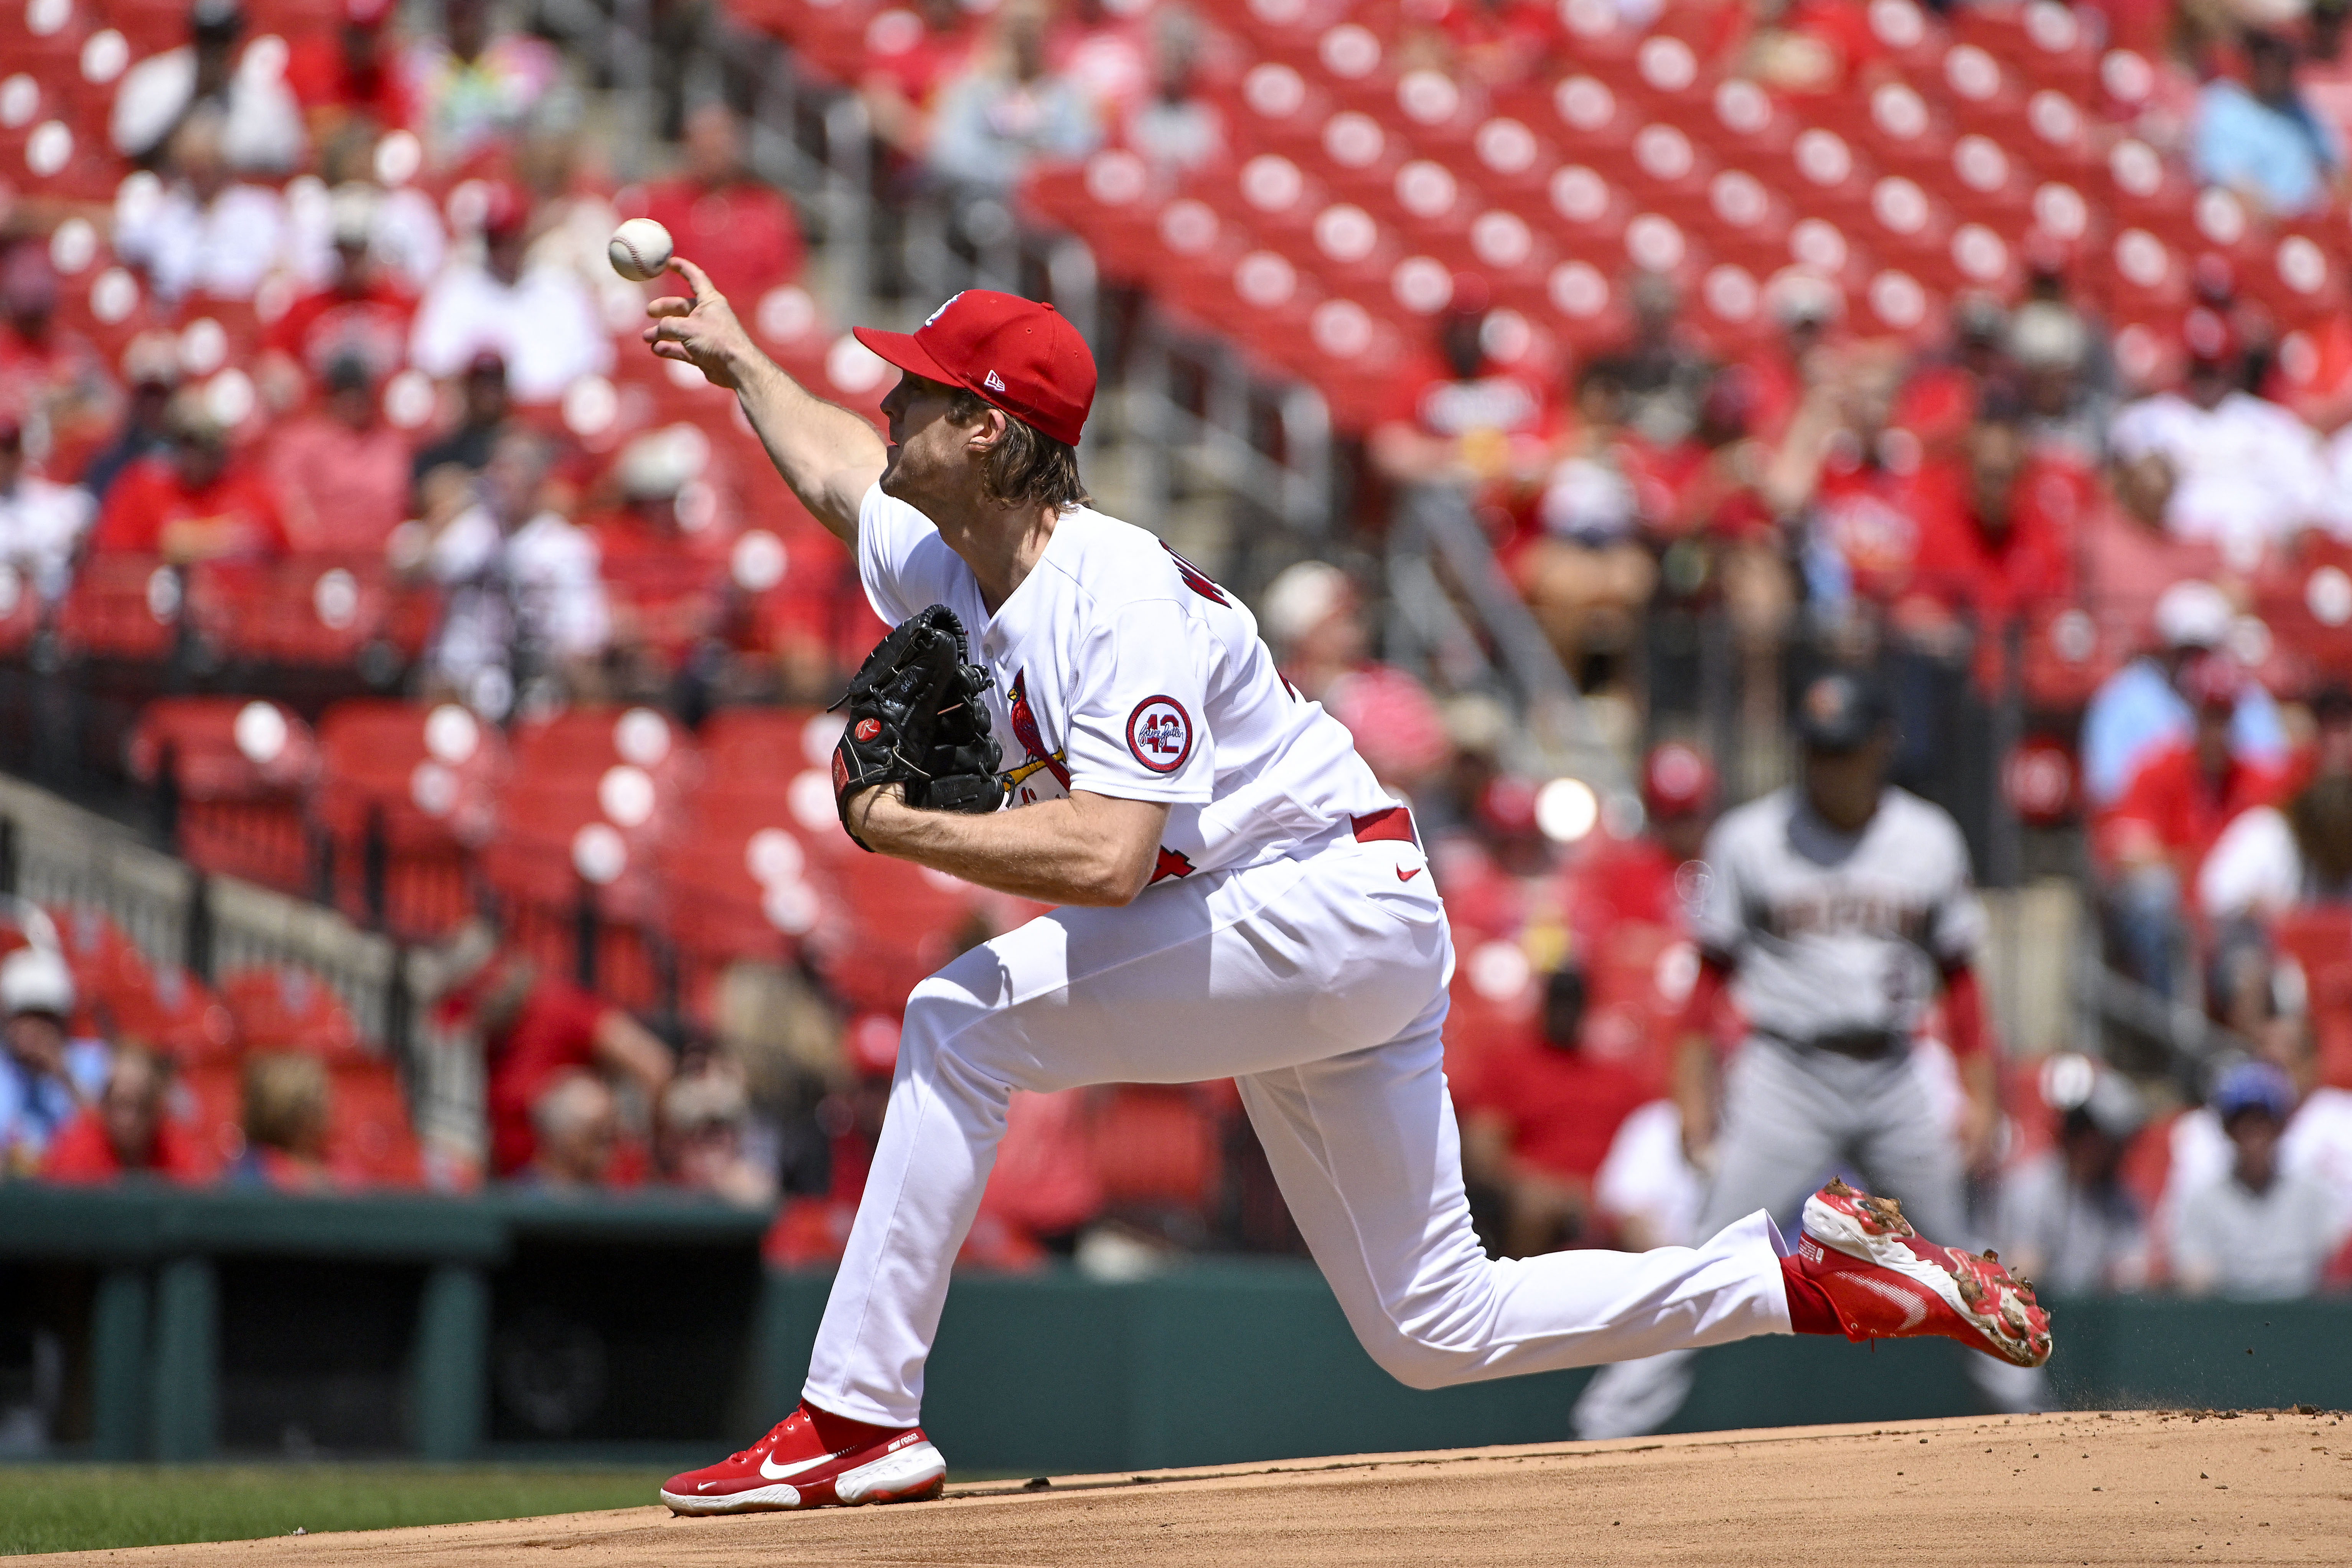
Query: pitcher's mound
(2128, 1487)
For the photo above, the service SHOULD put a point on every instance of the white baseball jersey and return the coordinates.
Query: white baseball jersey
(1122, 670)
(1830, 933)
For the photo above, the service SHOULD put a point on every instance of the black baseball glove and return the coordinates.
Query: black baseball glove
(916, 720)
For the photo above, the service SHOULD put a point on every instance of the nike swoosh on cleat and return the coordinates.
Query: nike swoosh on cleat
(1405, 876)
(776, 1472)
(1915, 1311)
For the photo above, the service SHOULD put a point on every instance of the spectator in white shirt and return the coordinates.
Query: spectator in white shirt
(200, 232)
(541, 321)
(2213, 463)
(525, 613)
(2066, 1221)
(262, 130)
(2261, 1230)
(1008, 109)
(41, 523)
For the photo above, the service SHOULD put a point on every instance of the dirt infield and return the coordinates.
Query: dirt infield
(2130, 1487)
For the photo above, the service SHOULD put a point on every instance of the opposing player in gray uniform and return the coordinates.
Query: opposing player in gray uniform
(1834, 909)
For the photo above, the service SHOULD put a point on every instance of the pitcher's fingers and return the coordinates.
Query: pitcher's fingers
(696, 278)
(669, 305)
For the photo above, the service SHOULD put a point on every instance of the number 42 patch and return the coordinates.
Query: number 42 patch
(1160, 734)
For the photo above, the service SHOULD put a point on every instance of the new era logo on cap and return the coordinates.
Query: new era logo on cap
(1019, 355)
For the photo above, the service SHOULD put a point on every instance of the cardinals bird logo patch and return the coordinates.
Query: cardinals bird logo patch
(1033, 741)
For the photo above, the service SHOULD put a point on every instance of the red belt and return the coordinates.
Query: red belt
(1395, 822)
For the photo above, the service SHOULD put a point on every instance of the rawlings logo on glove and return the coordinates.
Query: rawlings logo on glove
(916, 720)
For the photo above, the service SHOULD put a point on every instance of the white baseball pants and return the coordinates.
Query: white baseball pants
(1318, 982)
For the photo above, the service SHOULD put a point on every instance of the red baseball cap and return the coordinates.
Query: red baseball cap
(1012, 353)
(1676, 781)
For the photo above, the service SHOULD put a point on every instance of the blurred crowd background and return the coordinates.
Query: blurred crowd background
(1637, 361)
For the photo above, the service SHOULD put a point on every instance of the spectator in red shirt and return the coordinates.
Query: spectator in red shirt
(1616, 881)
(1463, 419)
(741, 232)
(1537, 1121)
(2155, 837)
(1314, 622)
(352, 74)
(51, 378)
(197, 504)
(534, 1028)
(342, 473)
(363, 312)
(127, 1133)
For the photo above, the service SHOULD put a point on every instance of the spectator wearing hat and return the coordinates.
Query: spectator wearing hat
(2066, 1220)
(203, 231)
(1463, 419)
(1175, 128)
(1007, 108)
(1314, 622)
(741, 232)
(575, 1126)
(2051, 351)
(199, 503)
(2154, 840)
(46, 1075)
(536, 1027)
(261, 125)
(341, 472)
(287, 1107)
(41, 524)
(476, 88)
(2141, 710)
(2214, 464)
(151, 370)
(541, 321)
(352, 75)
(1586, 572)
(2260, 139)
(365, 310)
(486, 413)
(2260, 1231)
(55, 384)
(130, 1132)
(700, 1134)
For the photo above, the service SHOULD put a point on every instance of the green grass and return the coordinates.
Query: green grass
(76, 1507)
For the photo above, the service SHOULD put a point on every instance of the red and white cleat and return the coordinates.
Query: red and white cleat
(813, 1459)
(1888, 1284)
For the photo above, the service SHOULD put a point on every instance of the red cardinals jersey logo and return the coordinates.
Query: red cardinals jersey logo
(1024, 729)
(1160, 734)
(1194, 578)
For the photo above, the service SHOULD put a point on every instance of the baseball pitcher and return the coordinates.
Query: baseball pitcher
(1236, 897)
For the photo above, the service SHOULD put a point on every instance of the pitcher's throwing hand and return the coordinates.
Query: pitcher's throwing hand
(701, 331)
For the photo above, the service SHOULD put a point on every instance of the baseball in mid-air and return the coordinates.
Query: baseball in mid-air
(640, 249)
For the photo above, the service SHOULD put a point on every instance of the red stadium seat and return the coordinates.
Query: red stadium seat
(278, 1008)
(413, 785)
(239, 769)
(122, 607)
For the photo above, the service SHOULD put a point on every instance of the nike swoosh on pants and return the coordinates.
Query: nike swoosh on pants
(1405, 876)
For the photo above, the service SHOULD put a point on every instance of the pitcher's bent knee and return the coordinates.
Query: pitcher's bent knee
(1418, 1360)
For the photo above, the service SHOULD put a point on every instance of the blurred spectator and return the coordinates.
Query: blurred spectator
(2260, 139)
(200, 232)
(535, 1028)
(1537, 1119)
(910, 55)
(288, 1110)
(352, 74)
(1997, 542)
(2155, 839)
(1587, 574)
(2066, 1220)
(2316, 1143)
(485, 412)
(2325, 80)
(405, 236)
(1461, 418)
(701, 1129)
(737, 229)
(129, 1132)
(539, 321)
(2140, 712)
(1646, 1187)
(1661, 374)
(1805, 310)
(1940, 392)
(1006, 109)
(51, 379)
(523, 600)
(2212, 462)
(2066, 417)
(1176, 128)
(2271, 859)
(151, 368)
(46, 1076)
(199, 503)
(576, 1127)
(1805, 48)
(657, 476)
(476, 88)
(2262, 1232)
(341, 472)
(1104, 48)
(1612, 882)
(1315, 625)
(41, 524)
(260, 125)
(363, 312)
